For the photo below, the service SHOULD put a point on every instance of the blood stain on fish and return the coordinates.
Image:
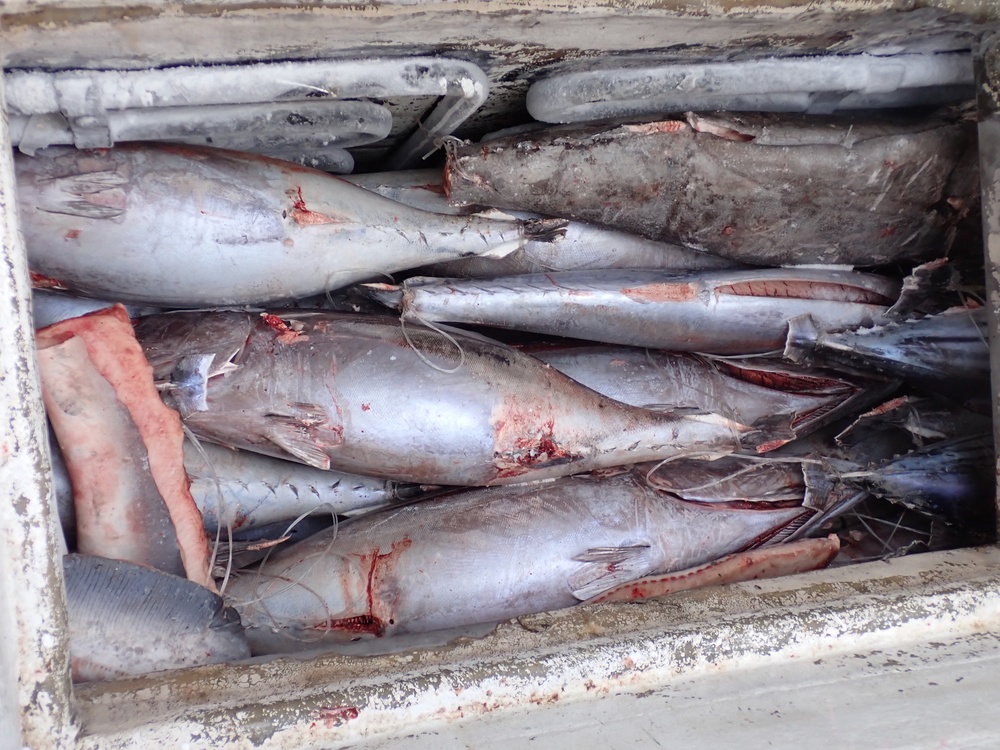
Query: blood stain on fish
(286, 334)
(39, 281)
(72, 234)
(303, 216)
(370, 622)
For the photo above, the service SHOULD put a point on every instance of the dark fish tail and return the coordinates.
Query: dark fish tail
(803, 335)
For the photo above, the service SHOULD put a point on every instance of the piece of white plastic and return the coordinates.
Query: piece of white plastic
(816, 85)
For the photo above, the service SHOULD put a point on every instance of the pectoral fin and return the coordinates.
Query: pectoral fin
(607, 567)
(304, 431)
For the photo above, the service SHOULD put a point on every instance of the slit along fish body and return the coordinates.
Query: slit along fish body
(717, 312)
(534, 548)
(363, 395)
(180, 226)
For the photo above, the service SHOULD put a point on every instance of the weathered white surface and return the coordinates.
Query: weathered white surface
(931, 694)
(34, 653)
(571, 658)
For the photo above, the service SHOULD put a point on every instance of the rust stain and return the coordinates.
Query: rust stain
(305, 217)
(662, 292)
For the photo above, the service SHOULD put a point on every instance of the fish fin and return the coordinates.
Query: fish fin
(292, 436)
(803, 333)
(769, 562)
(607, 567)
(924, 284)
(390, 295)
(188, 385)
(94, 195)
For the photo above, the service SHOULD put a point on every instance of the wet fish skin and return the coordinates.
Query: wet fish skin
(534, 548)
(948, 351)
(756, 188)
(584, 246)
(362, 395)
(48, 307)
(951, 481)
(246, 490)
(750, 391)
(112, 603)
(180, 226)
(717, 312)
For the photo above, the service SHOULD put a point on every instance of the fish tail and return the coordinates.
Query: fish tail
(544, 230)
(390, 295)
(803, 334)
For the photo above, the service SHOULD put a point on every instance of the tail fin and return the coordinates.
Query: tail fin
(803, 333)
(390, 295)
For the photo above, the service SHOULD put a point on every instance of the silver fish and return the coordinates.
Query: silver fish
(584, 246)
(533, 548)
(245, 490)
(180, 226)
(361, 394)
(751, 391)
(48, 307)
(718, 312)
(947, 351)
(126, 619)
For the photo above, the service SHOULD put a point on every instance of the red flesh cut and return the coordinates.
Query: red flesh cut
(117, 356)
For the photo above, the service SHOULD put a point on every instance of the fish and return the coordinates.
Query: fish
(49, 307)
(122, 446)
(244, 490)
(760, 189)
(769, 562)
(711, 312)
(952, 481)
(127, 619)
(584, 246)
(364, 395)
(188, 227)
(752, 391)
(485, 555)
(947, 352)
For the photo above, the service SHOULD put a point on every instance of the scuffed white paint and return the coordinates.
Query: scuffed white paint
(31, 593)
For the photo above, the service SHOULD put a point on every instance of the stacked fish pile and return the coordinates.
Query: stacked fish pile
(704, 422)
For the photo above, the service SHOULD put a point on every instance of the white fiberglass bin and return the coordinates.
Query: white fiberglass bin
(903, 653)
